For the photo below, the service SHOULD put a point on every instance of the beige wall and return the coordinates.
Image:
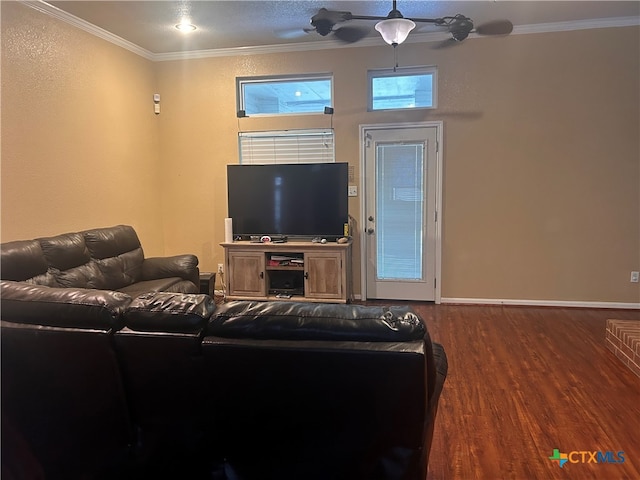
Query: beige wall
(541, 156)
(79, 136)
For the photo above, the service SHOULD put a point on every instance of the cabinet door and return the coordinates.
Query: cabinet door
(324, 275)
(246, 274)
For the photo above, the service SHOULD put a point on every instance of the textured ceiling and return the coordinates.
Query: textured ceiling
(230, 24)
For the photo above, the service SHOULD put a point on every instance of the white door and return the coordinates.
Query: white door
(400, 216)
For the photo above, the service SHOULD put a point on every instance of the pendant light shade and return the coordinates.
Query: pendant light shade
(394, 31)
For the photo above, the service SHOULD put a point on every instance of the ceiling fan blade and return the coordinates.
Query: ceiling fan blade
(293, 32)
(448, 43)
(351, 34)
(331, 16)
(495, 27)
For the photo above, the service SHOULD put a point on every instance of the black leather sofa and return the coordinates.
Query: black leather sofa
(98, 384)
(108, 258)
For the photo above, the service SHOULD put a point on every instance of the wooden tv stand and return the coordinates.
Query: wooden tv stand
(296, 271)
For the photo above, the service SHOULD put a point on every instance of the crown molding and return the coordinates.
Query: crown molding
(613, 22)
(59, 14)
(55, 12)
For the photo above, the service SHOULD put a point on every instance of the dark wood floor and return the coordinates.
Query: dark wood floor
(525, 381)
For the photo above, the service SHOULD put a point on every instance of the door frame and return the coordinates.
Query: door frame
(364, 128)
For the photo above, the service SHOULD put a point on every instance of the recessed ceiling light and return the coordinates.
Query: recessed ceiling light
(186, 26)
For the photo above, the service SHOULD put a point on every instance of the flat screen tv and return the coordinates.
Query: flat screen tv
(292, 200)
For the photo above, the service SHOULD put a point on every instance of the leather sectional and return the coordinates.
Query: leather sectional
(99, 383)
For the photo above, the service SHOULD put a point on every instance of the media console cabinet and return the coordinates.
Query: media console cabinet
(300, 271)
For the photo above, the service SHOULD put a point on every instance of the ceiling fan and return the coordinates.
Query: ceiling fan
(395, 28)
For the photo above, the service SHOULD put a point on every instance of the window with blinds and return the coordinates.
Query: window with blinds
(287, 146)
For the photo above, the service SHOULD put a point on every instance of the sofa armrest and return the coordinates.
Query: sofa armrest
(183, 266)
(62, 307)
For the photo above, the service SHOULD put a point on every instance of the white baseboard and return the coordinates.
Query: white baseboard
(541, 303)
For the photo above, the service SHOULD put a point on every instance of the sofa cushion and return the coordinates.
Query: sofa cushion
(117, 253)
(61, 307)
(169, 312)
(111, 241)
(122, 270)
(307, 321)
(70, 263)
(24, 260)
(65, 251)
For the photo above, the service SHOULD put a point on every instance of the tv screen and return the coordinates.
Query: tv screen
(293, 200)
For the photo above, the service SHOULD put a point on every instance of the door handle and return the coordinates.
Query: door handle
(306, 275)
(370, 231)
(370, 218)
(261, 274)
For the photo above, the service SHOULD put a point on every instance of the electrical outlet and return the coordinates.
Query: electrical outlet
(353, 191)
(635, 276)
(220, 268)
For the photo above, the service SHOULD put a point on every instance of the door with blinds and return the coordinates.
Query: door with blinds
(400, 214)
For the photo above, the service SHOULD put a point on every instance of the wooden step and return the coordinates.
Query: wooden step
(623, 339)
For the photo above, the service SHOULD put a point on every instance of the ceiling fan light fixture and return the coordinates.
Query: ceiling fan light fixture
(394, 31)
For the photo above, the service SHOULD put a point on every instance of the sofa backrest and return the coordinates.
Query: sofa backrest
(331, 322)
(103, 258)
(62, 391)
(322, 391)
(24, 260)
(118, 254)
(318, 409)
(315, 321)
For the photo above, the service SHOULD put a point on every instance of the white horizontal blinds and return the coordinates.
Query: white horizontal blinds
(287, 146)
